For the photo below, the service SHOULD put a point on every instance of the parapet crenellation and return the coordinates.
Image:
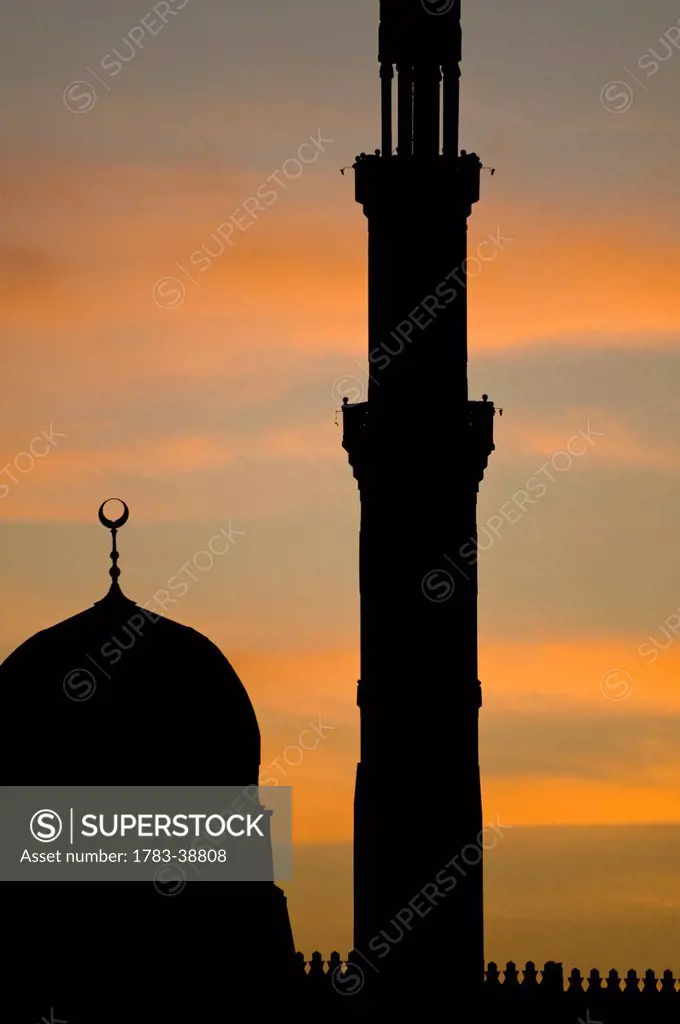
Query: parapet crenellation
(530, 995)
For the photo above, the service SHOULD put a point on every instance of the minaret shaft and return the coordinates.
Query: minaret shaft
(419, 448)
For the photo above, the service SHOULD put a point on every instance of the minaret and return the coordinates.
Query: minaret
(418, 448)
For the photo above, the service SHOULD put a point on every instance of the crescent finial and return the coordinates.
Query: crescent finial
(114, 525)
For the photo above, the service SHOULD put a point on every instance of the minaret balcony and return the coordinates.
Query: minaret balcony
(355, 433)
(454, 181)
(481, 431)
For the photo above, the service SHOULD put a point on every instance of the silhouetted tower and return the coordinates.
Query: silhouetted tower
(419, 448)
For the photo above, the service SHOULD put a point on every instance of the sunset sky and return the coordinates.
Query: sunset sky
(212, 402)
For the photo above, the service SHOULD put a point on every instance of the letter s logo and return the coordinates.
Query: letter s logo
(46, 826)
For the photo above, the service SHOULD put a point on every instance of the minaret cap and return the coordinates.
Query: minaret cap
(420, 32)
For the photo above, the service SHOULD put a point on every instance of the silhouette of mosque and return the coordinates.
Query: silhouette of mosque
(170, 709)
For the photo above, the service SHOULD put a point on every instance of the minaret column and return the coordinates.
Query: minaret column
(418, 448)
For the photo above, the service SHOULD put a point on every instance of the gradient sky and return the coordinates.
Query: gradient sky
(222, 408)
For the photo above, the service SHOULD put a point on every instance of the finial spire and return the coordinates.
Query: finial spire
(114, 525)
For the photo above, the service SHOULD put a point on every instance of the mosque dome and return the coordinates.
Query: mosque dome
(117, 694)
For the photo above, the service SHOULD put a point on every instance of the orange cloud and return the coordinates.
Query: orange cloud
(611, 441)
(577, 802)
(295, 276)
(578, 280)
(608, 672)
(70, 479)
